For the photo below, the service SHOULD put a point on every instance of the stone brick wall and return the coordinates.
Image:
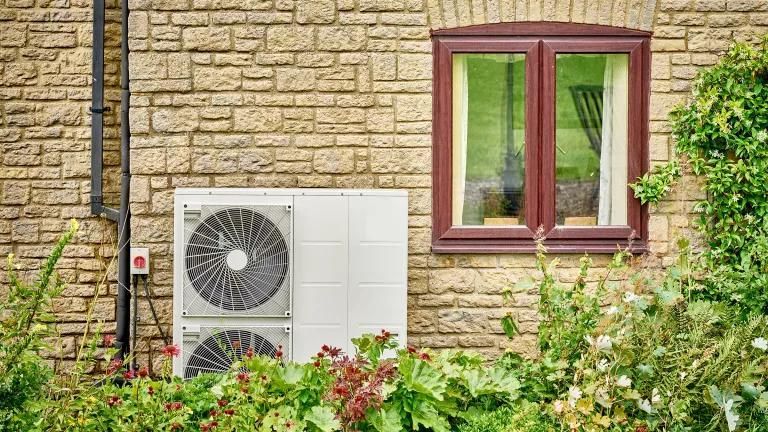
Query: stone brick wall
(316, 93)
(45, 79)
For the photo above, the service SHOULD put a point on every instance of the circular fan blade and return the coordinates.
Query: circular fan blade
(237, 259)
(216, 353)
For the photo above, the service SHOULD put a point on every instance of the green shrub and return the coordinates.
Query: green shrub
(527, 417)
(723, 133)
(654, 360)
(24, 321)
(414, 390)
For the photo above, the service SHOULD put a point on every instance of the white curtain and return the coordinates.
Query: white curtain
(460, 128)
(613, 149)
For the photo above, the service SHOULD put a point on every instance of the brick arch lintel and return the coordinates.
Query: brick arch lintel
(632, 14)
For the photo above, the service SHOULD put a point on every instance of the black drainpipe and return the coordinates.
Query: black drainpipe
(123, 215)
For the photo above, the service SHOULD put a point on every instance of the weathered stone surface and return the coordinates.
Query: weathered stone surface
(414, 66)
(205, 39)
(289, 79)
(345, 38)
(256, 160)
(452, 279)
(382, 5)
(175, 120)
(290, 38)
(256, 119)
(414, 108)
(217, 78)
(316, 11)
(334, 161)
(400, 161)
(462, 321)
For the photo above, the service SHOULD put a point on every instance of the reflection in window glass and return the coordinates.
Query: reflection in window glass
(488, 139)
(591, 139)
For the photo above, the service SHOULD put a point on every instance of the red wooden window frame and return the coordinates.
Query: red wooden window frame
(541, 42)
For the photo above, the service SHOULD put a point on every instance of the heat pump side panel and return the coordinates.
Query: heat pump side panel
(378, 263)
(321, 249)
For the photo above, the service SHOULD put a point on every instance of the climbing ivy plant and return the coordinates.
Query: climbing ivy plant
(723, 133)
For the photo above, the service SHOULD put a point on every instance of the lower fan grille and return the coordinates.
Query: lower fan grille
(216, 349)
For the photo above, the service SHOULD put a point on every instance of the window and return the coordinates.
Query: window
(539, 125)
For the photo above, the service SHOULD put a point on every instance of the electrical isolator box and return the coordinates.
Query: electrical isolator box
(139, 261)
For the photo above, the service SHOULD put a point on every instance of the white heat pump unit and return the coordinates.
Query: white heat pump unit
(285, 269)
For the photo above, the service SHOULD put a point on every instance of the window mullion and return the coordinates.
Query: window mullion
(546, 166)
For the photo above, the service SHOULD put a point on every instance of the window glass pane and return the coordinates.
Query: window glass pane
(591, 139)
(488, 139)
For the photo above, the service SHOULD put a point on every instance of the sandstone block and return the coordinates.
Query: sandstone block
(334, 161)
(346, 38)
(462, 321)
(290, 79)
(381, 5)
(216, 78)
(205, 38)
(148, 65)
(422, 321)
(148, 161)
(452, 279)
(15, 192)
(414, 107)
(207, 161)
(13, 35)
(257, 119)
(290, 38)
(255, 160)
(406, 161)
(414, 66)
(316, 11)
(340, 115)
(175, 120)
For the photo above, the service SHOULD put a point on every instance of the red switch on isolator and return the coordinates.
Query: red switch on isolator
(139, 261)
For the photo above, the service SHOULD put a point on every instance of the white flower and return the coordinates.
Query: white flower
(655, 396)
(630, 297)
(574, 394)
(645, 405)
(762, 135)
(613, 310)
(624, 381)
(603, 365)
(604, 343)
(716, 154)
(760, 343)
(683, 375)
(558, 405)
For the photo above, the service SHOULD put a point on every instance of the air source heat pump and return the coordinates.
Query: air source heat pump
(285, 270)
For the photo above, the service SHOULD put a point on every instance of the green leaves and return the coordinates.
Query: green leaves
(655, 185)
(419, 376)
(323, 418)
(509, 325)
(723, 133)
(491, 381)
(386, 420)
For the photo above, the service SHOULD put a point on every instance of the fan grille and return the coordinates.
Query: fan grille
(220, 348)
(237, 259)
